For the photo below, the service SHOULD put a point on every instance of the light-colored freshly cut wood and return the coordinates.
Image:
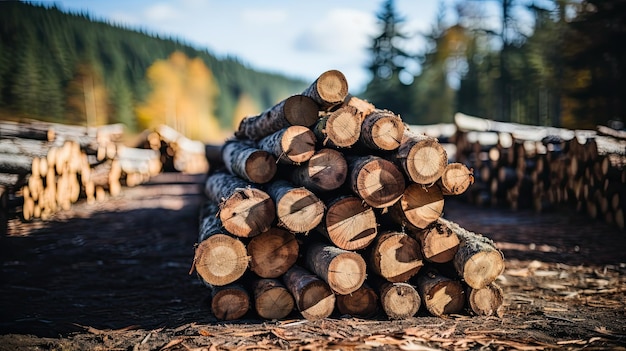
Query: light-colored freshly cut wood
(272, 252)
(340, 128)
(326, 170)
(419, 206)
(395, 256)
(422, 158)
(328, 90)
(343, 270)
(441, 295)
(292, 145)
(296, 110)
(382, 130)
(486, 301)
(363, 106)
(314, 298)
(297, 208)
(362, 303)
(248, 162)
(438, 243)
(375, 180)
(349, 223)
(456, 178)
(399, 300)
(272, 300)
(229, 302)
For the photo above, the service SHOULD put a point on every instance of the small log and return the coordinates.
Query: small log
(478, 261)
(395, 256)
(486, 301)
(399, 300)
(326, 170)
(220, 258)
(422, 158)
(363, 106)
(418, 207)
(15, 163)
(349, 223)
(344, 271)
(456, 178)
(375, 180)
(297, 208)
(28, 130)
(328, 90)
(314, 298)
(272, 252)
(272, 300)
(229, 302)
(362, 303)
(292, 145)
(11, 180)
(248, 162)
(441, 295)
(382, 130)
(245, 211)
(438, 243)
(340, 128)
(296, 110)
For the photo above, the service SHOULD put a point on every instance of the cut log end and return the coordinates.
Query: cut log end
(439, 243)
(298, 144)
(301, 111)
(247, 212)
(272, 299)
(329, 89)
(400, 300)
(299, 210)
(396, 257)
(260, 167)
(419, 206)
(382, 130)
(456, 179)
(272, 253)
(487, 301)
(377, 181)
(483, 268)
(362, 303)
(220, 260)
(326, 170)
(350, 224)
(346, 272)
(230, 303)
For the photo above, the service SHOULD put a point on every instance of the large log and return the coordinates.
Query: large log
(272, 300)
(229, 302)
(398, 300)
(314, 298)
(340, 128)
(395, 256)
(478, 261)
(29, 130)
(245, 211)
(272, 252)
(15, 163)
(382, 130)
(291, 145)
(326, 170)
(438, 243)
(243, 159)
(456, 178)
(375, 180)
(220, 258)
(297, 208)
(349, 223)
(296, 110)
(418, 207)
(486, 301)
(328, 90)
(422, 158)
(362, 303)
(441, 295)
(344, 271)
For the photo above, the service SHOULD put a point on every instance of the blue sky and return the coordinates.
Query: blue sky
(296, 38)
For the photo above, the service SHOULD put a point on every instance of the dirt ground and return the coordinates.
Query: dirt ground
(115, 276)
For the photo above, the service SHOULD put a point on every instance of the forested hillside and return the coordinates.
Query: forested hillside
(71, 68)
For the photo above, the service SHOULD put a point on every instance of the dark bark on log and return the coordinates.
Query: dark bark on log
(362, 303)
(314, 298)
(326, 170)
(422, 158)
(395, 256)
(15, 164)
(418, 207)
(296, 110)
(441, 295)
(349, 223)
(12, 180)
(248, 162)
(398, 300)
(297, 208)
(456, 178)
(486, 301)
(272, 252)
(244, 211)
(438, 243)
(229, 302)
(292, 145)
(26, 147)
(344, 271)
(340, 128)
(272, 300)
(328, 90)
(375, 180)
(382, 130)
(29, 130)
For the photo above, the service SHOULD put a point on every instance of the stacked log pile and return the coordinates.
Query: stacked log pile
(327, 204)
(543, 168)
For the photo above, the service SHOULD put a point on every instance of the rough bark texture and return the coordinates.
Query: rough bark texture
(229, 302)
(340, 128)
(297, 208)
(314, 298)
(362, 303)
(16, 164)
(456, 178)
(421, 157)
(248, 162)
(325, 171)
(395, 256)
(296, 110)
(272, 300)
(486, 301)
(290, 145)
(419, 206)
(438, 243)
(343, 270)
(272, 252)
(363, 106)
(382, 130)
(375, 180)
(328, 90)
(399, 300)
(244, 211)
(441, 295)
(349, 223)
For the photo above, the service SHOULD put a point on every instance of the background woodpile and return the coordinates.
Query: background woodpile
(326, 204)
(46, 167)
(544, 168)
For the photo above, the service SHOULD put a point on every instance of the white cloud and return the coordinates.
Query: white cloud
(161, 12)
(264, 17)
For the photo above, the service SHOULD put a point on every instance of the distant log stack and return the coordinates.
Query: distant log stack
(340, 210)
